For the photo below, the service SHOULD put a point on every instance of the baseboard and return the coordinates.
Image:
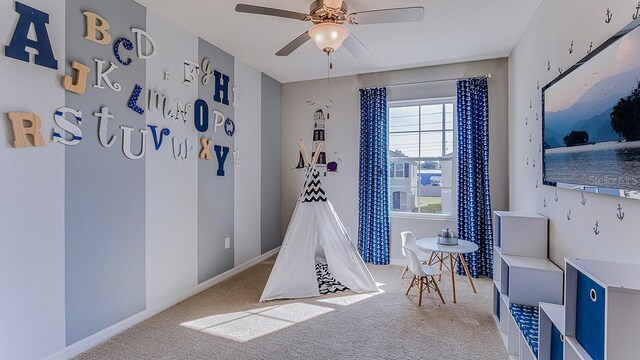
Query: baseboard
(104, 335)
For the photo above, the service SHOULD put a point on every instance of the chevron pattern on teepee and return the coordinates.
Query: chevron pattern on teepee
(313, 191)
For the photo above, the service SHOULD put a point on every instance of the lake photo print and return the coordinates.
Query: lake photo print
(592, 122)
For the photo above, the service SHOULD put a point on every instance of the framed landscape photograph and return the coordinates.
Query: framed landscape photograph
(591, 120)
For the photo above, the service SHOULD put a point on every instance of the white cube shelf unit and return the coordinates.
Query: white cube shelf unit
(551, 332)
(530, 280)
(602, 317)
(521, 234)
(523, 277)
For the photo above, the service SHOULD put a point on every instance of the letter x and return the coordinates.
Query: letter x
(206, 149)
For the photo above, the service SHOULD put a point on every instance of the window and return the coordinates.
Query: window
(422, 151)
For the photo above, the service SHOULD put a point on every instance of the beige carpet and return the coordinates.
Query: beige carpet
(228, 322)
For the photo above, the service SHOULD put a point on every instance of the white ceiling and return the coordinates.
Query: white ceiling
(452, 31)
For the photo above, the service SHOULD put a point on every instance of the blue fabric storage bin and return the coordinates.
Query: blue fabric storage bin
(556, 344)
(590, 306)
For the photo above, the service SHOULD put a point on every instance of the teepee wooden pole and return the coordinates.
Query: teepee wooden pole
(303, 151)
(316, 155)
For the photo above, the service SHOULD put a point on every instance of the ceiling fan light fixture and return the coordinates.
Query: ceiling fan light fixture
(328, 37)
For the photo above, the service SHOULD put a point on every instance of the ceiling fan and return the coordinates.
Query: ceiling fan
(329, 17)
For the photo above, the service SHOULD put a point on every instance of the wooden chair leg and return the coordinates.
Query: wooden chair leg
(430, 259)
(410, 285)
(404, 272)
(437, 289)
(426, 282)
(421, 290)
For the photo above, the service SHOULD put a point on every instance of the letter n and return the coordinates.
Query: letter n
(20, 40)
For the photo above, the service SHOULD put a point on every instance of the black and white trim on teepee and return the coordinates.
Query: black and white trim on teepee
(326, 283)
(313, 191)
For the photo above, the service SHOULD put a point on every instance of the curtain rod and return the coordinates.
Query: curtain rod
(488, 76)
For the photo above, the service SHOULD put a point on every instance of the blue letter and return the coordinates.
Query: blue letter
(154, 131)
(222, 86)
(201, 115)
(221, 155)
(20, 41)
(127, 44)
(133, 102)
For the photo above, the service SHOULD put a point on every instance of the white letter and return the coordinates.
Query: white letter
(104, 75)
(218, 120)
(191, 71)
(67, 126)
(139, 35)
(104, 117)
(126, 143)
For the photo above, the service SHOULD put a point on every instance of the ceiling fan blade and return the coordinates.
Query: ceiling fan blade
(296, 43)
(260, 10)
(356, 47)
(409, 14)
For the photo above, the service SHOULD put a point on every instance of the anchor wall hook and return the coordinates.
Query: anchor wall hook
(608, 17)
(544, 202)
(590, 48)
(620, 213)
(635, 15)
(569, 215)
(548, 65)
(596, 229)
(571, 48)
(560, 70)
(556, 197)
(584, 200)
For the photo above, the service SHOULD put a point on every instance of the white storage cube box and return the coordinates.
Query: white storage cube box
(532, 280)
(521, 234)
(551, 332)
(602, 316)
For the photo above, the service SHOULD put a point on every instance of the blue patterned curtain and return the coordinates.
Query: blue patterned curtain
(474, 201)
(373, 222)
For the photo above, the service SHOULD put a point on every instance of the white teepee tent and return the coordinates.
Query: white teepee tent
(316, 241)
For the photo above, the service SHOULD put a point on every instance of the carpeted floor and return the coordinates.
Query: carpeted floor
(228, 322)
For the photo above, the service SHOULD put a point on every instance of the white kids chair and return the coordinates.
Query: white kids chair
(422, 276)
(409, 241)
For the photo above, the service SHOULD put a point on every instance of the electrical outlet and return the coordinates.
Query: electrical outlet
(227, 243)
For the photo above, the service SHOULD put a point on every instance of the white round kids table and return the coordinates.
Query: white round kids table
(453, 252)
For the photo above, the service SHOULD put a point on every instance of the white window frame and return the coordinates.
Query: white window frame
(454, 159)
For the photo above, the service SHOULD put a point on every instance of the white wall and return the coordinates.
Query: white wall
(547, 39)
(171, 234)
(32, 185)
(248, 141)
(343, 133)
(36, 263)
